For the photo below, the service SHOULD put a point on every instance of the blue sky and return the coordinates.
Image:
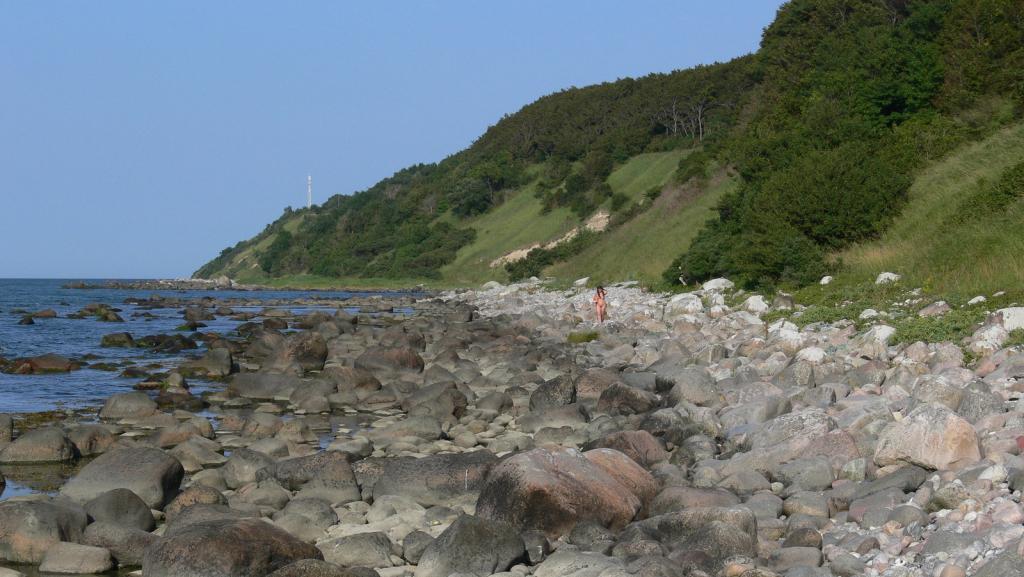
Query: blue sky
(139, 138)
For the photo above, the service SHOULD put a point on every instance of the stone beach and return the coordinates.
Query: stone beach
(501, 431)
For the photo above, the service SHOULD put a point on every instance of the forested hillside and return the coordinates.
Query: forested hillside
(806, 149)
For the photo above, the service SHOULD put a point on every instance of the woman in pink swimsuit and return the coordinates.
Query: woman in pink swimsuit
(600, 304)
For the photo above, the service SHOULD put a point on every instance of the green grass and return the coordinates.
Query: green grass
(517, 223)
(644, 172)
(979, 256)
(314, 282)
(582, 337)
(642, 248)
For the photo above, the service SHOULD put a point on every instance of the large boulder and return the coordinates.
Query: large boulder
(46, 445)
(225, 548)
(125, 544)
(317, 568)
(472, 545)
(72, 558)
(436, 479)
(931, 436)
(325, 475)
(150, 473)
(243, 466)
(553, 490)
(121, 507)
(369, 549)
(390, 359)
(29, 528)
(217, 362)
(48, 363)
(306, 350)
(133, 405)
(641, 446)
(704, 537)
(263, 386)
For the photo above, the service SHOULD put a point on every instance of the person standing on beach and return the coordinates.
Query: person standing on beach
(600, 304)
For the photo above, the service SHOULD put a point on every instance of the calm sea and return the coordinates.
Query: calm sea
(74, 338)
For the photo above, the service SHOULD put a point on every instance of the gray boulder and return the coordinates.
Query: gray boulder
(471, 545)
(150, 473)
(76, 559)
(133, 405)
(125, 544)
(225, 548)
(46, 445)
(121, 507)
(28, 529)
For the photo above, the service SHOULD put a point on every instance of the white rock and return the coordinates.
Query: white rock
(825, 280)
(755, 304)
(684, 303)
(813, 355)
(581, 282)
(718, 284)
(868, 314)
(988, 339)
(887, 277)
(879, 334)
(492, 285)
(977, 300)
(1011, 318)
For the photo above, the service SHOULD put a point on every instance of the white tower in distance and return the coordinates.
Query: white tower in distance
(309, 191)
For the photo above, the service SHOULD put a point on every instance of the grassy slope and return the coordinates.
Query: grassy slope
(516, 223)
(982, 256)
(644, 172)
(642, 248)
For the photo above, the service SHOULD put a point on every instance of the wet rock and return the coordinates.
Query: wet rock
(28, 529)
(122, 340)
(216, 362)
(307, 351)
(150, 473)
(225, 548)
(91, 440)
(49, 363)
(45, 445)
(471, 545)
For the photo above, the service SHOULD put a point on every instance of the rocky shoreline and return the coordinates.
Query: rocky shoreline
(501, 432)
